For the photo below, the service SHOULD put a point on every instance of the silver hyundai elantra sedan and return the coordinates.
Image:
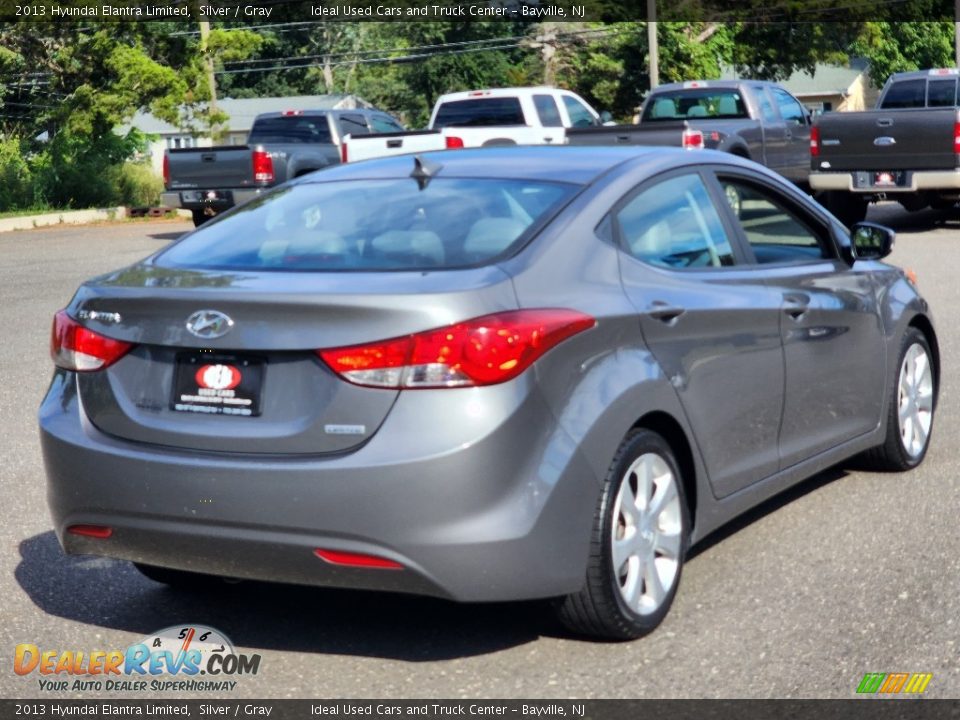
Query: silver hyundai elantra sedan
(484, 375)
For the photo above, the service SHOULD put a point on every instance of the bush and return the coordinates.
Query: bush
(18, 186)
(138, 184)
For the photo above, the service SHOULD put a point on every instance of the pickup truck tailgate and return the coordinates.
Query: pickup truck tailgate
(222, 167)
(909, 139)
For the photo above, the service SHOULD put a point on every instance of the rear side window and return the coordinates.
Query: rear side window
(480, 112)
(353, 125)
(942, 93)
(371, 225)
(292, 129)
(674, 224)
(547, 111)
(905, 94)
(695, 103)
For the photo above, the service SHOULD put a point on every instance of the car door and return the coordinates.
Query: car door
(796, 154)
(711, 323)
(774, 130)
(834, 354)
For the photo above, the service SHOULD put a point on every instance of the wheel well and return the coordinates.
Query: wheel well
(922, 323)
(672, 432)
(740, 152)
(305, 171)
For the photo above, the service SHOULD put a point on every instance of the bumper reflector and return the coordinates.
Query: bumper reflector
(101, 532)
(356, 560)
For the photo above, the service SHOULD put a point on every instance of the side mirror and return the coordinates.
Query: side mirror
(870, 241)
(606, 118)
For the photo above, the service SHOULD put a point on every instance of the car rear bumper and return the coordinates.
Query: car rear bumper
(175, 199)
(918, 180)
(500, 509)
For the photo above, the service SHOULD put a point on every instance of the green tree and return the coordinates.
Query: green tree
(897, 47)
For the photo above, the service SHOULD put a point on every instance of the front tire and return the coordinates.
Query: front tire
(912, 402)
(640, 537)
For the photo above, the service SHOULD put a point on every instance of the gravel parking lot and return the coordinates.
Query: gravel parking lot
(850, 572)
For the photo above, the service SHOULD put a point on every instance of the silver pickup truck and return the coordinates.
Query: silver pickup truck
(750, 118)
(908, 149)
(280, 147)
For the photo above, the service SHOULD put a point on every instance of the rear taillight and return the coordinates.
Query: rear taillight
(815, 141)
(692, 139)
(166, 170)
(262, 166)
(343, 151)
(956, 137)
(101, 532)
(483, 351)
(356, 560)
(454, 142)
(74, 347)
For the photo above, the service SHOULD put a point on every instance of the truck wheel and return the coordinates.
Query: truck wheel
(199, 218)
(847, 207)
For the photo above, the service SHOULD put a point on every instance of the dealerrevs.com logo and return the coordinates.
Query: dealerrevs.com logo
(183, 658)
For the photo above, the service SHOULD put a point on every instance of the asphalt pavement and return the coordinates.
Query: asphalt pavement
(850, 572)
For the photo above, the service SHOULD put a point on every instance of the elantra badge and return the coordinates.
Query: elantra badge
(209, 324)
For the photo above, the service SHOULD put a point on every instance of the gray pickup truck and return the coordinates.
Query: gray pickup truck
(281, 146)
(908, 149)
(750, 118)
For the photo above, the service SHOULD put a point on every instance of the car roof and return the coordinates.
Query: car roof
(718, 84)
(500, 92)
(305, 112)
(578, 165)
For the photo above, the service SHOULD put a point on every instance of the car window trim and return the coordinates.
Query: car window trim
(740, 261)
(814, 221)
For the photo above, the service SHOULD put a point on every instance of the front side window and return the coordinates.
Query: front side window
(775, 232)
(790, 110)
(371, 225)
(674, 224)
(579, 115)
(547, 111)
(385, 124)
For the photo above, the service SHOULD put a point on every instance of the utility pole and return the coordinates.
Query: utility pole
(655, 48)
(211, 78)
(956, 33)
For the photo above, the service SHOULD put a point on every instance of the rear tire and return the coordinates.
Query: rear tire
(639, 540)
(912, 402)
(848, 208)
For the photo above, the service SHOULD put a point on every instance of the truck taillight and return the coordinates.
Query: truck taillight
(166, 170)
(343, 151)
(262, 166)
(692, 139)
(956, 137)
(454, 142)
(483, 351)
(74, 347)
(815, 141)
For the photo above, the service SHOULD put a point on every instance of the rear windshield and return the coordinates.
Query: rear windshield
(373, 225)
(293, 129)
(905, 94)
(693, 104)
(480, 112)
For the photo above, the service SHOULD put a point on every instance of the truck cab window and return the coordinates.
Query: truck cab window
(905, 94)
(942, 93)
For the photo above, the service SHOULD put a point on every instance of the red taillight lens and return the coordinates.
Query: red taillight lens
(166, 170)
(343, 151)
(74, 347)
(692, 139)
(483, 351)
(454, 142)
(956, 137)
(262, 166)
(101, 532)
(357, 560)
(815, 141)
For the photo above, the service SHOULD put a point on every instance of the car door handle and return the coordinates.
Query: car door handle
(664, 312)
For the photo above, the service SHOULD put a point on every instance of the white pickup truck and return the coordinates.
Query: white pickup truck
(483, 118)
